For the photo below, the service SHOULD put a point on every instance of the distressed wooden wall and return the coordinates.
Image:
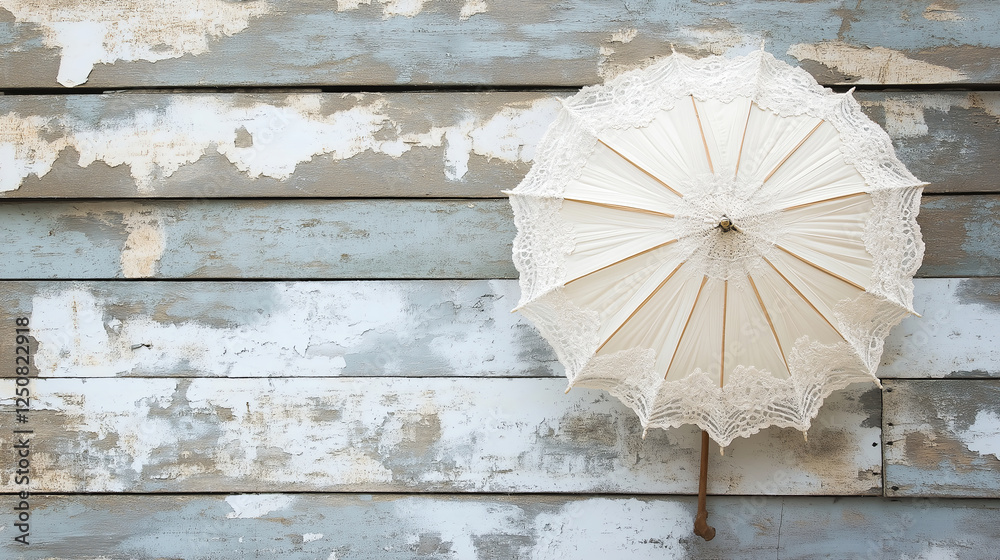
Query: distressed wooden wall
(266, 263)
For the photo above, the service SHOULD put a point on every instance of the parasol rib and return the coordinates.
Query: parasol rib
(640, 168)
(686, 323)
(807, 204)
(795, 149)
(746, 125)
(769, 322)
(725, 299)
(701, 129)
(620, 207)
(820, 268)
(636, 310)
(643, 252)
(805, 299)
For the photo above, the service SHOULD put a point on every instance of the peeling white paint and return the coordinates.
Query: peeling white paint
(89, 32)
(905, 116)
(305, 331)
(876, 65)
(156, 143)
(460, 523)
(23, 149)
(145, 243)
(569, 533)
(144, 434)
(255, 506)
(471, 8)
(933, 552)
(310, 537)
(390, 8)
(983, 436)
(624, 35)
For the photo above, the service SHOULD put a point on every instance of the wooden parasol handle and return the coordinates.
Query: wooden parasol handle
(701, 526)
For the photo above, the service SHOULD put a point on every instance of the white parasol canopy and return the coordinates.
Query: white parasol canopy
(720, 242)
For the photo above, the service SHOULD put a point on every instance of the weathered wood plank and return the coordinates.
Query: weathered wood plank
(302, 239)
(282, 42)
(288, 145)
(412, 328)
(942, 438)
(376, 145)
(492, 527)
(276, 329)
(254, 239)
(961, 234)
(957, 335)
(406, 434)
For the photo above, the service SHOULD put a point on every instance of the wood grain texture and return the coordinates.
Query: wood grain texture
(942, 438)
(280, 42)
(392, 238)
(259, 239)
(416, 435)
(442, 144)
(415, 328)
(277, 329)
(955, 337)
(391, 526)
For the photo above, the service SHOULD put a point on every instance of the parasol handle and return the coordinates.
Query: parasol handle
(701, 526)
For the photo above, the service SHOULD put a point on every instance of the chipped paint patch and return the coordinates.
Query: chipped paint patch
(310, 537)
(390, 8)
(568, 533)
(24, 151)
(624, 35)
(300, 327)
(263, 139)
(905, 116)
(933, 552)
(983, 436)
(145, 242)
(942, 11)
(90, 32)
(471, 8)
(255, 506)
(876, 65)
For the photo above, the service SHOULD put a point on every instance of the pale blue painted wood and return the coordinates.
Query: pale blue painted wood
(529, 43)
(945, 138)
(247, 239)
(496, 527)
(302, 239)
(379, 434)
(942, 438)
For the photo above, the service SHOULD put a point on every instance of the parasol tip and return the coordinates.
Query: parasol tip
(763, 40)
(568, 389)
(722, 451)
(805, 437)
(644, 432)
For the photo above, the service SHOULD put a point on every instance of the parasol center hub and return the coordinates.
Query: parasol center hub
(726, 225)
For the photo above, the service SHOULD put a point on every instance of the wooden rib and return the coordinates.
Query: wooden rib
(621, 261)
(701, 129)
(640, 168)
(769, 322)
(620, 207)
(797, 146)
(820, 268)
(686, 323)
(805, 299)
(746, 125)
(804, 205)
(725, 298)
(636, 310)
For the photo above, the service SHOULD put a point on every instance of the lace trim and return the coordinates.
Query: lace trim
(752, 399)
